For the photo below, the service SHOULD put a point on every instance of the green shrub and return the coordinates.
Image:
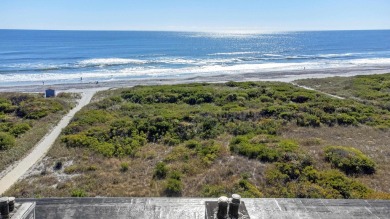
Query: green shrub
(292, 169)
(240, 128)
(268, 126)
(108, 149)
(180, 153)
(37, 108)
(160, 171)
(6, 106)
(19, 128)
(266, 99)
(306, 119)
(78, 193)
(175, 175)
(350, 160)
(213, 190)
(344, 186)
(231, 97)
(171, 140)
(91, 117)
(310, 190)
(288, 145)
(79, 140)
(345, 119)
(247, 189)
(301, 97)
(208, 151)
(275, 178)
(191, 144)
(6, 141)
(124, 167)
(132, 97)
(263, 147)
(173, 188)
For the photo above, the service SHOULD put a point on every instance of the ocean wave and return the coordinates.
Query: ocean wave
(102, 63)
(258, 56)
(371, 61)
(109, 61)
(170, 60)
(342, 55)
(211, 68)
(233, 53)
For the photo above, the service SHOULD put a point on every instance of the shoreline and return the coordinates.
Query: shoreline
(281, 76)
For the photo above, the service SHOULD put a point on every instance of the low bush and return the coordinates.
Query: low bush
(265, 148)
(6, 106)
(192, 144)
(78, 193)
(344, 186)
(247, 189)
(160, 171)
(345, 119)
(213, 191)
(173, 187)
(37, 108)
(6, 141)
(19, 128)
(291, 180)
(350, 160)
(124, 167)
(208, 151)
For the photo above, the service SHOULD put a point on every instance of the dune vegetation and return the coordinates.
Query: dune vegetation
(215, 139)
(25, 119)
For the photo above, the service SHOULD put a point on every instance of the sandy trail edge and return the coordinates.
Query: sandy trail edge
(43, 146)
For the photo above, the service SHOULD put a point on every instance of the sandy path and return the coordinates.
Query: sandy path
(46, 142)
(309, 88)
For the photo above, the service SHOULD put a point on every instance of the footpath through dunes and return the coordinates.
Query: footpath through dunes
(43, 146)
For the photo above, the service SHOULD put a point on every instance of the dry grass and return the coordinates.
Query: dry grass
(372, 142)
(340, 86)
(107, 179)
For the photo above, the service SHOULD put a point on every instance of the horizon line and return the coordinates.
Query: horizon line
(199, 31)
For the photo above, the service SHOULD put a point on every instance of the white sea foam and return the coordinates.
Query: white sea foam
(110, 61)
(210, 67)
(373, 61)
(338, 55)
(233, 53)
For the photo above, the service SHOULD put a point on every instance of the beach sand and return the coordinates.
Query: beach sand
(282, 76)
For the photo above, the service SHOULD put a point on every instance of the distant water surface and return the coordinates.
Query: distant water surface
(30, 57)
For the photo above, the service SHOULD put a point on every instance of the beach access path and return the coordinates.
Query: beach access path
(309, 88)
(43, 146)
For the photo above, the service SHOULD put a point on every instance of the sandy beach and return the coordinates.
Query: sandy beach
(283, 76)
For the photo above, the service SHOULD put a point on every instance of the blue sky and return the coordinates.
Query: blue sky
(195, 15)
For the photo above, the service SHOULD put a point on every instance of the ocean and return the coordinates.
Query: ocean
(33, 57)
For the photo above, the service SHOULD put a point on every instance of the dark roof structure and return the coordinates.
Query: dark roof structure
(180, 208)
